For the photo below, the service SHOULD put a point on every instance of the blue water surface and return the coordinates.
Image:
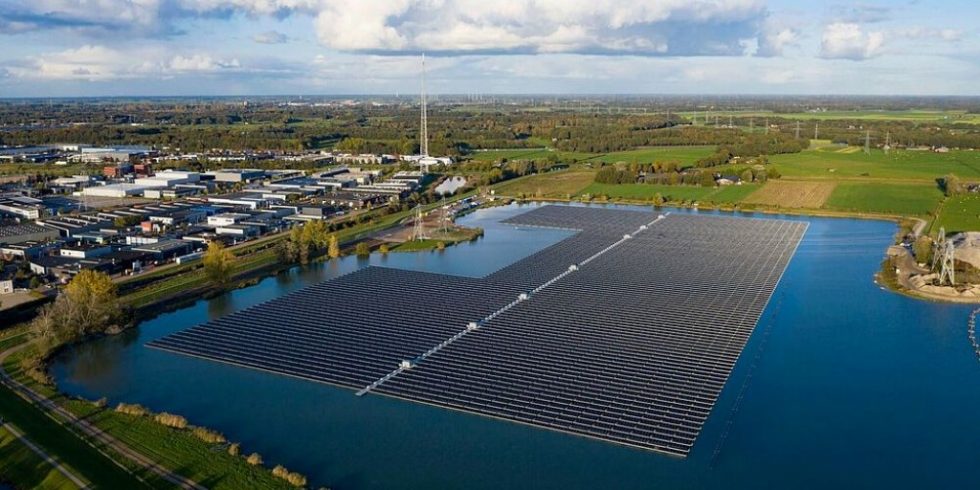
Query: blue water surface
(842, 385)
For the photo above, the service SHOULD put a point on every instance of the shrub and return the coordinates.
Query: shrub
(100, 403)
(440, 246)
(234, 449)
(296, 479)
(134, 410)
(362, 249)
(384, 249)
(208, 435)
(292, 477)
(171, 420)
(254, 459)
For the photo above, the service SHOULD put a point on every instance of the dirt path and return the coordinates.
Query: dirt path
(89, 430)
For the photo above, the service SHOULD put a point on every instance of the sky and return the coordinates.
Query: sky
(63, 48)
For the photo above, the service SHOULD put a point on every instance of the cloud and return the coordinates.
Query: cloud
(643, 27)
(861, 13)
(270, 37)
(99, 63)
(775, 38)
(926, 33)
(850, 41)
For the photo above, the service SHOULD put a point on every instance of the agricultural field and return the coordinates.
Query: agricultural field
(792, 194)
(903, 199)
(557, 184)
(960, 213)
(833, 162)
(673, 193)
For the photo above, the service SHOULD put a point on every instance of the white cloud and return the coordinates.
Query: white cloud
(100, 63)
(850, 41)
(776, 38)
(649, 27)
(516, 26)
(270, 37)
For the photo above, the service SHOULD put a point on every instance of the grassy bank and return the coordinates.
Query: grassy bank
(23, 468)
(208, 463)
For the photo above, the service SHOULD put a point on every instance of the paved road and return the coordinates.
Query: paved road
(89, 430)
(80, 483)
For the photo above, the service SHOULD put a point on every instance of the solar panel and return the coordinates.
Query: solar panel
(626, 331)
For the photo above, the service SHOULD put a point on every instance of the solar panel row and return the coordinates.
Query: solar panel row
(634, 347)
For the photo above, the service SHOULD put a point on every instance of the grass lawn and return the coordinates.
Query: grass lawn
(23, 468)
(529, 154)
(960, 213)
(558, 184)
(904, 199)
(672, 193)
(684, 154)
(846, 163)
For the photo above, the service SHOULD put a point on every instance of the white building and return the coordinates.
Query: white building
(114, 190)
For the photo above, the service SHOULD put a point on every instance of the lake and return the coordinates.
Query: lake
(842, 384)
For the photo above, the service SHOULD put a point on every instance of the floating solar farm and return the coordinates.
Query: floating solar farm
(626, 331)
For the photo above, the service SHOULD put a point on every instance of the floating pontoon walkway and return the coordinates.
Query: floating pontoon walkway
(626, 331)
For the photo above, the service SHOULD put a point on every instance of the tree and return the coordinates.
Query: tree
(333, 249)
(384, 249)
(440, 246)
(362, 249)
(218, 263)
(88, 305)
(922, 248)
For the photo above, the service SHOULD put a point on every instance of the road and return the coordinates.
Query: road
(90, 431)
(80, 483)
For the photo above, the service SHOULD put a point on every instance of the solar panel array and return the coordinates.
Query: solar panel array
(634, 347)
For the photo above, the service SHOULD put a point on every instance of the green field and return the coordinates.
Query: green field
(528, 154)
(672, 193)
(684, 154)
(852, 163)
(904, 199)
(556, 184)
(909, 115)
(959, 213)
(25, 469)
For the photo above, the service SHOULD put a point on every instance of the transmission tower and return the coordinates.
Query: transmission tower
(751, 124)
(816, 131)
(797, 130)
(418, 230)
(888, 141)
(867, 142)
(938, 246)
(730, 124)
(424, 136)
(767, 125)
(946, 270)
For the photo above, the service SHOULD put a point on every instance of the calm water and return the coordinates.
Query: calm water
(841, 385)
(450, 185)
